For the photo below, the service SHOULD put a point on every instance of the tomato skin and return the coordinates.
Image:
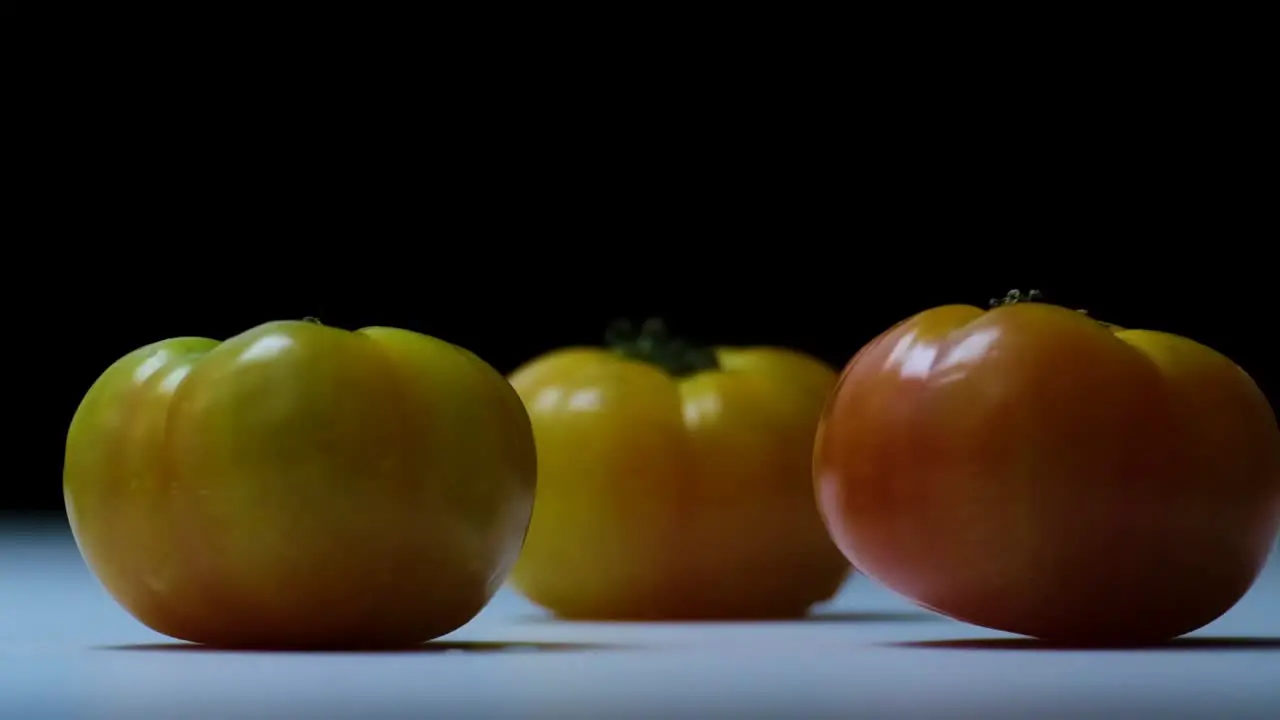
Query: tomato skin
(664, 497)
(301, 486)
(1030, 470)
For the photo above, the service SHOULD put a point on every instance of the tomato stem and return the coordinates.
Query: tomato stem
(654, 344)
(1015, 296)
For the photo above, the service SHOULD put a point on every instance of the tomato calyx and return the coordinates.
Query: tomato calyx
(1014, 297)
(654, 344)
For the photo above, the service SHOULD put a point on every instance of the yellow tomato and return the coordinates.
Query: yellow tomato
(301, 486)
(675, 482)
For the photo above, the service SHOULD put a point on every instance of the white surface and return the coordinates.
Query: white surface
(67, 651)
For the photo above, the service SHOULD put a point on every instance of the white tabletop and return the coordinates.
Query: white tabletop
(67, 651)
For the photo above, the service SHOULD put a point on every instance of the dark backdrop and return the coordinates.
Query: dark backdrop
(518, 214)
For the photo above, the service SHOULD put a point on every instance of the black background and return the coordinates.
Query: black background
(524, 214)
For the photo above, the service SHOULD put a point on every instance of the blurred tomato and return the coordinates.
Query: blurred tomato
(1032, 470)
(673, 482)
(300, 485)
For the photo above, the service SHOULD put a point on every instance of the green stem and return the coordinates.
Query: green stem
(652, 343)
(1015, 296)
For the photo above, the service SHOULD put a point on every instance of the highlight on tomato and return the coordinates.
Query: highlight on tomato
(1030, 469)
(301, 486)
(673, 481)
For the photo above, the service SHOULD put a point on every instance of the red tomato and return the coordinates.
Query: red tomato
(1032, 470)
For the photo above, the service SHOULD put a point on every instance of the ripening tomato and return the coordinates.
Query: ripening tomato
(301, 486)
(1032, 470)
(674, 482)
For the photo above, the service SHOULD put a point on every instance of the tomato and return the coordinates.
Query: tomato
(1031, 470)
(301, 486)
(674, 482)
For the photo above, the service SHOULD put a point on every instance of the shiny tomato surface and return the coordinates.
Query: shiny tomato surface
(1032, 470)
(676, 489)
(301, 486)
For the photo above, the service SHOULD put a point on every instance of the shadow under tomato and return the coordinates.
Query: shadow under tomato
(435, 647)
(829, 617)
(1208, 644)
(872, 617)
